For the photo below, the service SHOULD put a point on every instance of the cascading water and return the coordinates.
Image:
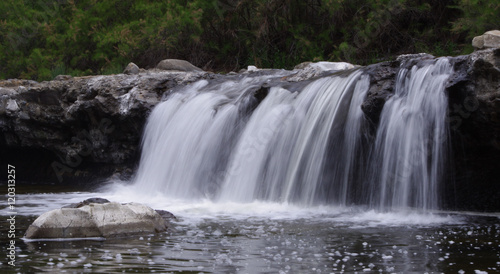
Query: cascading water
(310, 146)
(411, 141)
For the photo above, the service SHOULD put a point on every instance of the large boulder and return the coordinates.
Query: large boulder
(490, 39)
(176, 64)
(97, 220)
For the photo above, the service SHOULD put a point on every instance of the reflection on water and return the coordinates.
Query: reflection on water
(266, 238)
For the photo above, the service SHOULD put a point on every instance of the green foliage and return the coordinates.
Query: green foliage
(478, 17)
(40, 39)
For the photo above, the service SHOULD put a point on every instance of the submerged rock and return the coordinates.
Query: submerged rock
(97, 220)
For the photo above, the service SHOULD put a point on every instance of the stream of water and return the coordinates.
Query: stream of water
(263, 237)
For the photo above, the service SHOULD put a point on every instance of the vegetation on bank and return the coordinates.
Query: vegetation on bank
(40, 39)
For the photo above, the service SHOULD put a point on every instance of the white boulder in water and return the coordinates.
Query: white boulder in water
(97, 220)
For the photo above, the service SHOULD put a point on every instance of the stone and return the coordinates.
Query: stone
(252, 68)
(87, 202)
(12, 106)
(176, 64)
(490, 39)
(97, 220)
(63, 77)
(131, 68)
(308, 70)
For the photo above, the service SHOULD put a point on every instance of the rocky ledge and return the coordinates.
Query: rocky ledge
(79, 129)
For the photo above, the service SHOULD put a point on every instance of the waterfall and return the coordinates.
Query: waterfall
(410, 146)
(306, 145)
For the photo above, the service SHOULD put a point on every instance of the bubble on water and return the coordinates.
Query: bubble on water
(60, 265)
(134, 251)
(386, 257)
(469, 232)
(225, 242)
(223, 259)
(217, 233)
(50, 263)
(87, 265)
(106, 256)
(480, 272)
(365, 244)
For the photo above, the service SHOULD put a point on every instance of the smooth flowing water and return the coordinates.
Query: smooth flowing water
(307, 147)
(272, 178)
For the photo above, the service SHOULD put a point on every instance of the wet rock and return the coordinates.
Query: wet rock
(308, 70)
(97, 220)
(176, 64)
(87, 202)
(382, 79)
(490, 39)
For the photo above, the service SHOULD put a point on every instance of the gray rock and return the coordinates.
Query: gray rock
(63, 77)
(87, 202)
(12, 106)
(302, 65)
(131, 68)
(176, 64)
(490, 39)
(82, 129)
(308, 70)
(97, 220)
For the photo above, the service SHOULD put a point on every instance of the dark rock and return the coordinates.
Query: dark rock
(166, 215)
(382, 79)
(87, 202)
(474, 120)
(85, 128)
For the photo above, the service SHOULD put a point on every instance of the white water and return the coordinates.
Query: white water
(306, 148)
(410, 147)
